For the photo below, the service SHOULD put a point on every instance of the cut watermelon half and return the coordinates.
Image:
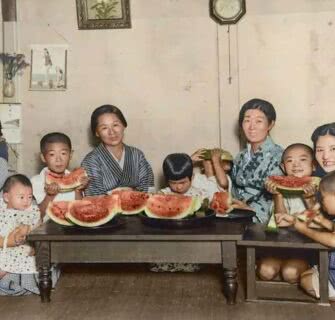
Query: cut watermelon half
(57, 210)
(68, 182)
(293, 184)
(171, 206)
(132, 202)
(221, 202)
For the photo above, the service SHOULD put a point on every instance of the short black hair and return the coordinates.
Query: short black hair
(327, 183)
(328, 128)
(14, 179)
(298, 145)
(177, 166)
(54, 137)
(106, 108)
(263, 105)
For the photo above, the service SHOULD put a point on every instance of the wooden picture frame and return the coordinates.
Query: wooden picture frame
(103, 14)
(48, 70)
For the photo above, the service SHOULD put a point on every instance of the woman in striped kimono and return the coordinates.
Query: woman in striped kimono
(113, 164)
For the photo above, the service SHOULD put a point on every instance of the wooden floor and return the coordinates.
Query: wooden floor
(132, 292)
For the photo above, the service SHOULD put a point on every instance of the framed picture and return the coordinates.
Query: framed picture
(103, 14)
(48, 67)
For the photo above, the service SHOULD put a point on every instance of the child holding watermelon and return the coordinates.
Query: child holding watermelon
(18, 274)
(310, 279)
(56, 152)
(297, 161)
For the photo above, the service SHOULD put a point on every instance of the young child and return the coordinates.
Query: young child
(56, 152)
(18, 274)
(310, 279)
(297, 161)
(179, 175)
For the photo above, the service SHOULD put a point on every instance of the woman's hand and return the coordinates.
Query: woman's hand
(238, 204)
(271, 187)
(198, 155)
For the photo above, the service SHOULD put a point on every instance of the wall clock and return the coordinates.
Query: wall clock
(227, 11)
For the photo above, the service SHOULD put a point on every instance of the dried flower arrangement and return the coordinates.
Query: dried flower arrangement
(13, 64)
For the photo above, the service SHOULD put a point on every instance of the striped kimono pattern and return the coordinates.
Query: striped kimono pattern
(106, 174)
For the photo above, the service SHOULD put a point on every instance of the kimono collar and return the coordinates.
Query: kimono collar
(267, 145)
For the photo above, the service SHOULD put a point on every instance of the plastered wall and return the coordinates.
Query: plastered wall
(179, 77)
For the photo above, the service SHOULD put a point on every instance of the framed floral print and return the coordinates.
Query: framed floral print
(103, 14)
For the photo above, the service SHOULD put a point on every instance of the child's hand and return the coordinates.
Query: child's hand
(198, 155)
(84, 181)
(216, 155)
(310, 190)
(271, 186)
(18, 235)
(284, 220)
(51, 189)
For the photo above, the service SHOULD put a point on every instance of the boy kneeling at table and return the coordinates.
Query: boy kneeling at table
(310, 279)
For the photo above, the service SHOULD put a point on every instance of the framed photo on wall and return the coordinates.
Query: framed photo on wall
(48, 67)
(103, 14)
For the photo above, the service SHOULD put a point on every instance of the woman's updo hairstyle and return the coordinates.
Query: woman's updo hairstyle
(106, 108)
(263, 105)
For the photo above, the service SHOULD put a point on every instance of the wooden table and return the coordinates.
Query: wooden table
(134, 242)
(254, 238)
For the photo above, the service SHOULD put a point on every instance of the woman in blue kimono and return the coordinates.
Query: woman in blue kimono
(260, 159)
(113, 164)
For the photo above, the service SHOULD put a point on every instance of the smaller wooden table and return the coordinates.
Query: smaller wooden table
(256, 237)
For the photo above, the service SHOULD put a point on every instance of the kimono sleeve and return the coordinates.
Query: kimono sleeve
(93, 169)
(146, 176)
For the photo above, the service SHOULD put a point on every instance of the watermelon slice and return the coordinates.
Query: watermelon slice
(57, 212)
(307, 215)
(272, 225)
(221, 202)
(225, 155)
(171, 206)
(93, 211)
(66, 182)
(294, 184)
(132, 202)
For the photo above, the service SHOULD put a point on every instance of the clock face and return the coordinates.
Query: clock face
(227, 8)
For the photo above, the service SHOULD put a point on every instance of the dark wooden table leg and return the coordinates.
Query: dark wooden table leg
(43, 264)
(323, 276)
(229, 264)
(251, 276)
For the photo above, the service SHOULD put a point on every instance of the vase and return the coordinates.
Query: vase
(9, 88)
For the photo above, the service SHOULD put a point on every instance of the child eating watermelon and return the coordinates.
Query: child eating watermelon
(56, 152)
(310, 279)
(297, 161)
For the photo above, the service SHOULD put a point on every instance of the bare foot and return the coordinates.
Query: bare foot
(2, 274)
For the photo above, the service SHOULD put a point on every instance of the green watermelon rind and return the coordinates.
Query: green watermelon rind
(195, 204)
(90, 224)
(133, 212)
(55, 218)
(272, 225)
(297, 190)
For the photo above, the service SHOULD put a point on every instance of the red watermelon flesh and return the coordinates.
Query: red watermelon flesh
(169, 206)
(221, 202)
(57, 212)
(110, 202)
(291, 182)
(307, 215)
(66, 182)
(132, 202)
